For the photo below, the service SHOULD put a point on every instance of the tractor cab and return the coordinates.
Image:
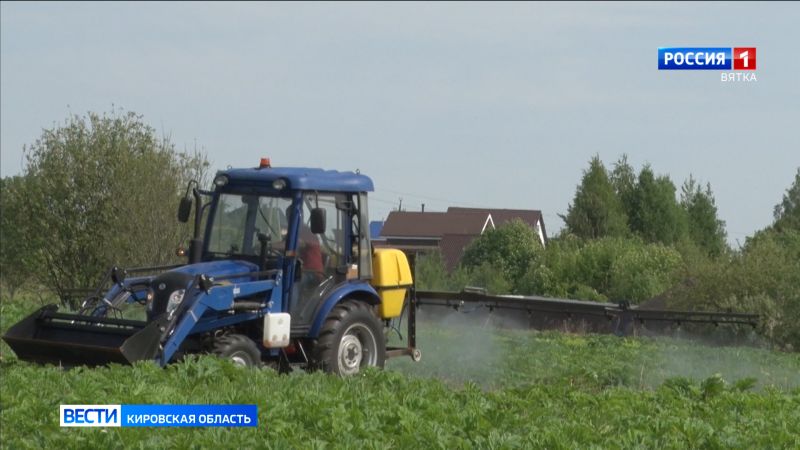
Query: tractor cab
(310, 224)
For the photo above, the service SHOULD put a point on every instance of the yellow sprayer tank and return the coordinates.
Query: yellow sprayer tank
(391, 277)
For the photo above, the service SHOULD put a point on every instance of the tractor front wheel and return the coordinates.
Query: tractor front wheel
(238, 348)
(350, 339)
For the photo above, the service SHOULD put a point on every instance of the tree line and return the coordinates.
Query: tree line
(634, 237)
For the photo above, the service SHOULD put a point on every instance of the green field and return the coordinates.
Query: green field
(475, 387)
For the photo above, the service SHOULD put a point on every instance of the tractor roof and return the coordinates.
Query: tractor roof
(302, 178)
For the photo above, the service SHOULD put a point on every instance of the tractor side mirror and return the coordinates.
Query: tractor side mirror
(317, 220)
(184, 209)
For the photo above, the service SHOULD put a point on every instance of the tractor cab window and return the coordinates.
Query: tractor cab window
(325, 257)
(331, 243)
(344, 245)
(239, 219)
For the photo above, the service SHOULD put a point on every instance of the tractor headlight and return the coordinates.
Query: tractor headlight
(175, 299)
(220, 180)
(279, 184)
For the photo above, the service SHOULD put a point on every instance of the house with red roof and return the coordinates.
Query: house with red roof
(450, 232)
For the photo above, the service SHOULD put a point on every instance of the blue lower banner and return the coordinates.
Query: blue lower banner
(159, 415)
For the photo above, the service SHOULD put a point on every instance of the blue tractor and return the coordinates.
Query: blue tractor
(280, 272)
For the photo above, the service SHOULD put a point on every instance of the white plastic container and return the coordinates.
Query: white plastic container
(277, 328)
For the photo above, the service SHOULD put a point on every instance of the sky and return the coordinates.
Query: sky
(466, 104)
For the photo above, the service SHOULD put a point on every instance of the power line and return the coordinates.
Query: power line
(454, 202)
(380, 200)
(425, 197)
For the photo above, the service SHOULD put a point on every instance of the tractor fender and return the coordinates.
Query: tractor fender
(360, 290)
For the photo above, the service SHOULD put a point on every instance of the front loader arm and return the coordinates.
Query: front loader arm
(188, 318)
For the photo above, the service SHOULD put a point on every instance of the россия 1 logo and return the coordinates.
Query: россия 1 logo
(740, 59)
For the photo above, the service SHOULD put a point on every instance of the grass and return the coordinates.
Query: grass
(475, 388)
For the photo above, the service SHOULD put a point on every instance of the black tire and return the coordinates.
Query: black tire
(238, 348)
(351, 338)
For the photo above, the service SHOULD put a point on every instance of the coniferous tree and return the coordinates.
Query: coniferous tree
(596, 210)
(705, 229)
(787, 212)
(656, 215)
(623, 178)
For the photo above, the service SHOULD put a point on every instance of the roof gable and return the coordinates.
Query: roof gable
(501, 217)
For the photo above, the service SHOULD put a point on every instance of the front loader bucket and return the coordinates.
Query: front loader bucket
(48, 336)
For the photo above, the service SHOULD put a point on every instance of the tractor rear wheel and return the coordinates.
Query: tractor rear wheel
(238, 348)
(351, 338)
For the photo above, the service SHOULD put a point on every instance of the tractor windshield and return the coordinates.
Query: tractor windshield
(239, 219)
